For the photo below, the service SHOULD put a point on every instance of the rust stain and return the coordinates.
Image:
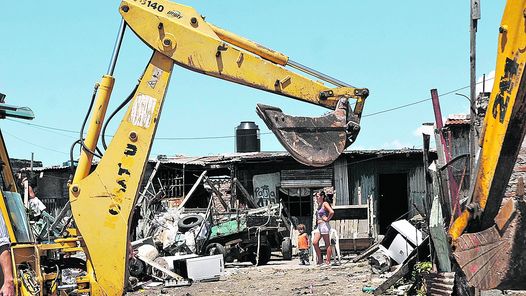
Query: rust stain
(314, 141)
(493, 259)
(505, 214)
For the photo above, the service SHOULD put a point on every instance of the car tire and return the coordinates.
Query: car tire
(264, 255)
(189, 222)
(286, 248)
(215, 249)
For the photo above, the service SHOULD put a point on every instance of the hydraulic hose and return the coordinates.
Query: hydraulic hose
(86, 119)
(124, 103)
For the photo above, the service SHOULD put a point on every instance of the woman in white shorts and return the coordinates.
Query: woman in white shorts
(323, 216)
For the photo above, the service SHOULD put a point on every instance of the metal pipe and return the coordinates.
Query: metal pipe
(116, 48)
(271, 55)
(67, 287)
(453, 186)
(474, 17)
(94, 128)
(317, 74)
(251, 46)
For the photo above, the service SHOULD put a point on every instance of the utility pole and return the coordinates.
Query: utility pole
(474, 17)
(31, 164)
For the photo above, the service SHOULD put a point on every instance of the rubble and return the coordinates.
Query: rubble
(171, 233)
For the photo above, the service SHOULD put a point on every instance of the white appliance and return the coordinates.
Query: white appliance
(206, 268)
(401, 240)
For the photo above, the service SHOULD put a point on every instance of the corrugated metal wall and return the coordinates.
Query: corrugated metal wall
(460, 146)
(311, 178)
(460, 140)
(341, 181)
(417, 190)
(363, 181)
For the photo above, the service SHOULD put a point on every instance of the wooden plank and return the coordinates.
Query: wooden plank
(250, 201)
(194, 187)
(350, 212)
(358, 244)
(354, 228)
(438, 236)
(363, 226)
(366, 253)
(161, 268)
(398, 274)
(341, 229)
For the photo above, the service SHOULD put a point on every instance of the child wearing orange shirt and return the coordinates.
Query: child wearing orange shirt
(303, 245)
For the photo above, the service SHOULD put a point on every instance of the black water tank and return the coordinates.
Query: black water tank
(247, 137)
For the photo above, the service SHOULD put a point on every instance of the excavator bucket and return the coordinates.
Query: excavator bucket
(494, 258)
(313, 141)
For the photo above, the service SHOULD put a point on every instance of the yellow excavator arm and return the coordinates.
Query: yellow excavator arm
(102, 200)
(180, 33)
(488, 237)
(505, 122)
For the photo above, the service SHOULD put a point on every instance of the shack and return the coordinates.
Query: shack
(372, 188)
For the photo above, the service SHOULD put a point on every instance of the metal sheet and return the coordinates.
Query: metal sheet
(306, 183)
(315, 178)
(341, 181)
(440, 283)
(408, 231)
(417, 190)
(362, 179)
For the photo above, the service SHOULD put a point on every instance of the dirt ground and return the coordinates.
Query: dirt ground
(280, 278)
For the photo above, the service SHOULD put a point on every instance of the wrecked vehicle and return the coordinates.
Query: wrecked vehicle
(251, 235)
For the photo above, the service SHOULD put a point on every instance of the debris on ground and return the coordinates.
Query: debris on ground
(281, 277)
(177, 244)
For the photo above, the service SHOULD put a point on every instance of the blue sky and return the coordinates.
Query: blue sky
(53, 52)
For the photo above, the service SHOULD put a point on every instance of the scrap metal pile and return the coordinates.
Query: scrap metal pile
(171, 236)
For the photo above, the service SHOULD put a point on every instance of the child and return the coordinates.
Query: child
(303, 245)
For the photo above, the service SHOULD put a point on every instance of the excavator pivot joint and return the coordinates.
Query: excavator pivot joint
(361, 92)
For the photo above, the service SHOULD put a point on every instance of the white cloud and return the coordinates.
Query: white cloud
(395, 144)
(424, 129)
(488, 84)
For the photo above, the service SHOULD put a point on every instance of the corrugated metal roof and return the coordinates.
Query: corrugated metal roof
(384, 151)
(42, 169)
(223, 158)
(243, 157)
(240, 157)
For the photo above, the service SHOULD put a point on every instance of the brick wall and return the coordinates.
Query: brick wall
(519, 170)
